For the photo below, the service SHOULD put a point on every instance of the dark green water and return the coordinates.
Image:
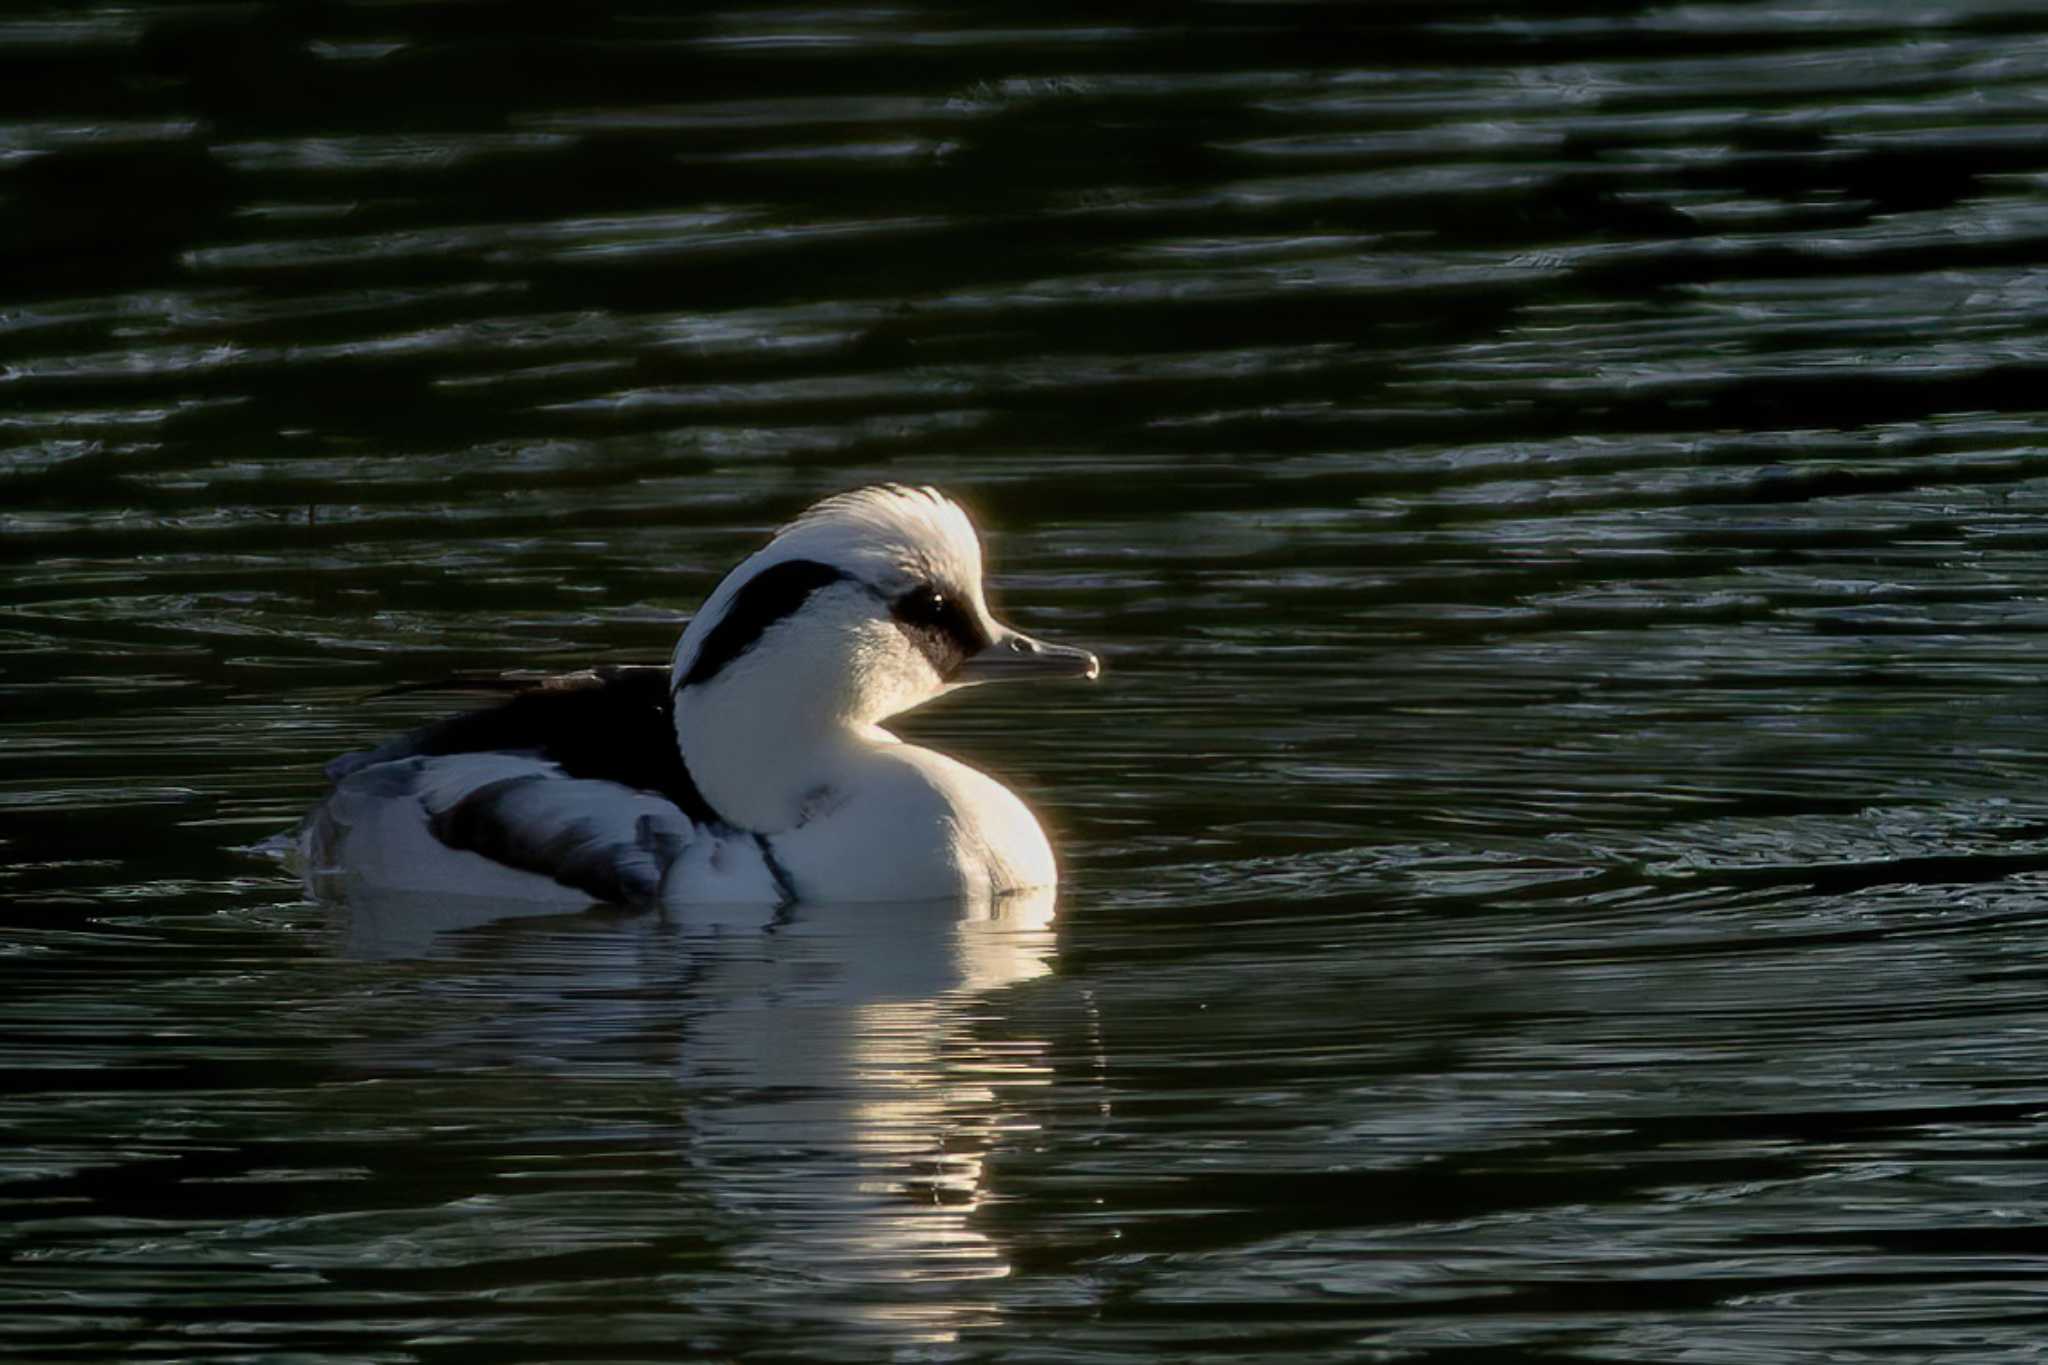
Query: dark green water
(1558, 861)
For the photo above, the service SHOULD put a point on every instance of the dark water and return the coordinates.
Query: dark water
(1557, 865)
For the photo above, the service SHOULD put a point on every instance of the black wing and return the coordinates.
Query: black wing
(614, 723)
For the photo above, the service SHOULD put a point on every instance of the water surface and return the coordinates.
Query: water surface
(1554, 863)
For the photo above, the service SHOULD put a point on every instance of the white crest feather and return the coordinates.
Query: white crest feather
(886, 534)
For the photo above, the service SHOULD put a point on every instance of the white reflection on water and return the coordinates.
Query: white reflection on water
(841, 1071)
(868, 1088)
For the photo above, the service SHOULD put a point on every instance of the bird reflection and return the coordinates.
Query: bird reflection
(841, 1072)
(881, 1092)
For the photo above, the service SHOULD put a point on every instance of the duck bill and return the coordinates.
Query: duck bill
(1015, 655)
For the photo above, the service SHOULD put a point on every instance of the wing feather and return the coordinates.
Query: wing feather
(575, 779)
(615, 723)
(606, 840)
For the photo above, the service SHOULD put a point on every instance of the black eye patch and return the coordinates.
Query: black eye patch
(941, 625)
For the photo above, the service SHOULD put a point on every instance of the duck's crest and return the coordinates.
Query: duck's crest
(885, 534)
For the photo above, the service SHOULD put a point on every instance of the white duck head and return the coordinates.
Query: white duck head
(868, 604)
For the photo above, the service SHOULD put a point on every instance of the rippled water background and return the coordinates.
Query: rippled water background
(1558, 862)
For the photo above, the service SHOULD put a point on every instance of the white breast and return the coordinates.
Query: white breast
(910, 824)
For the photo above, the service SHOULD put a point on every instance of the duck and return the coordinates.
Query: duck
(753, 768)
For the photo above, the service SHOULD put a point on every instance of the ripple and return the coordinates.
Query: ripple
(1550, 867)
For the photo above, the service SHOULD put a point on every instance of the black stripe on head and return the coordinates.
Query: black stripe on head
(941, 625)
(766, 598)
